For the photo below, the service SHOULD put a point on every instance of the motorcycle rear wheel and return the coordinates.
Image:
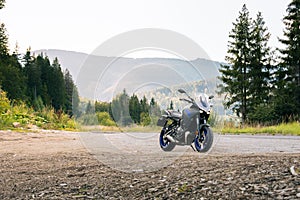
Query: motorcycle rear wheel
(164, 143)
(204, 140)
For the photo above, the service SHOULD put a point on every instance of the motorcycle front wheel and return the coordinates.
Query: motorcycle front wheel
(164, 143)
(204, 140)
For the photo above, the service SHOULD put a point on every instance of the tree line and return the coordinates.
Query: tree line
(262, 85)
(126, 110)
(37, 82)
(34, 79)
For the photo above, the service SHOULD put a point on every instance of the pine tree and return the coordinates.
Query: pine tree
(3, 36)
(56, 86)
(43, 63)
(235, 74)
(154, 108)
(89, 109)
(134, 108)
(2, 2)
(12, 81)
(33, 73)
(72, 97)
(144, 105)
(259, 75)
(120, 109)
(3, 42)
(288, 87)
(27, 58)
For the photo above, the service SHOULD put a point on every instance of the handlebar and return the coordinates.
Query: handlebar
(189, 101)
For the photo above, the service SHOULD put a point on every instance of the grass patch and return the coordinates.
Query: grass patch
(18, 116)
(282, 129)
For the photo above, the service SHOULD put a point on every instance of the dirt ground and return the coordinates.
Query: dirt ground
(55, 165)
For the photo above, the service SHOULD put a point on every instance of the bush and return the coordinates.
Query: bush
(105, 119)
(263, 114)
(4, 102)
(145, 119)
(46, 118)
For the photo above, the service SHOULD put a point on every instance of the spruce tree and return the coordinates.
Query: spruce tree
(2, 2)
(144, 105)
(154, 108)
(134, 108)
(120, 109)
(72, 97)
(12, 79)
(56, 86)
(3, 36)
(3, 42)
(288, 87)
(235, 75)
(259, 75)
(33, 74)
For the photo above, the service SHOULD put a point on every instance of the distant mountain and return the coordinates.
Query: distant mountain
(101, 78)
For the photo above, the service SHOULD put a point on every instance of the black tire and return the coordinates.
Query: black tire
(204, 140)
(164, 143)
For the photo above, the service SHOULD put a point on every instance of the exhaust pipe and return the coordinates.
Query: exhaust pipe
(170, 138)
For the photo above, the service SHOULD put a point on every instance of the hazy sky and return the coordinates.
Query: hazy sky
(83, 25)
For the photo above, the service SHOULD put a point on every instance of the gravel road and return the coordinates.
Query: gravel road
(62, 165)
(141, 152)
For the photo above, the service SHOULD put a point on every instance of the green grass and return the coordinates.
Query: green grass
(27, 117)
(281, 129)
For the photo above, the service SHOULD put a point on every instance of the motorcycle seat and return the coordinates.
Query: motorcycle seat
(175, 114)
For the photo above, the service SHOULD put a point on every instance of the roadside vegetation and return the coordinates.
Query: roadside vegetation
(34, 91)
(262, 83)
(17, 115)
(123, 113)
(292, 128)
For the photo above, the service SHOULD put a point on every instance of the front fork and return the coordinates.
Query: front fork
(200, 127)
(197, 132)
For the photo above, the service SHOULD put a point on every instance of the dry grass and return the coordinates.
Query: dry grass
(284, 129)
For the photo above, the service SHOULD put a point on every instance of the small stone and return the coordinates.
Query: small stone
(138, 170)
(298, 195)
(79, 196)
(294, 171)
(152, 189)
(16, 124)
(32, 127)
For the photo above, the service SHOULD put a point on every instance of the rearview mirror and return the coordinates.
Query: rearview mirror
(181, 91)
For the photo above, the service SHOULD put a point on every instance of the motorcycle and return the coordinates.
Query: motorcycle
(189, 127)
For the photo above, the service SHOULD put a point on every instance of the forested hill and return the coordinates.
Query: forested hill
(37, 81)
(91, 67)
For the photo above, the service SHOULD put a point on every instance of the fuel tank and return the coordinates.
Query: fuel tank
(189, 116)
